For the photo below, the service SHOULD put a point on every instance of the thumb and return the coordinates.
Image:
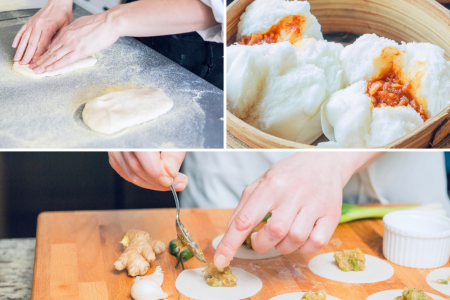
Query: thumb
(172, 161)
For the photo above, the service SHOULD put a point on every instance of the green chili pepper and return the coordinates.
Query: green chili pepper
(175, 251)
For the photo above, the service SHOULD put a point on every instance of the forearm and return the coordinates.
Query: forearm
(352, 162)
(67, 3)
(156, 17)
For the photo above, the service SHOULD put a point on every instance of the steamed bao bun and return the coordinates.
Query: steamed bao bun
(262, 14)
(279, 87)
(371, 56)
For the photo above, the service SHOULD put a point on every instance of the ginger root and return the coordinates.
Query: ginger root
(140, 250)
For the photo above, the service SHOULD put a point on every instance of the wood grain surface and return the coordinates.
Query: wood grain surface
(75, 253)
(396, 20)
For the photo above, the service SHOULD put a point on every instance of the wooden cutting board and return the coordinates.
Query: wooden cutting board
(75, 253)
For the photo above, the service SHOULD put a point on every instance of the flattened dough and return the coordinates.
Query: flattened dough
(79, 64)
(376, 269)
(297, 296)
(391, 294)
(191, 283)
(442, 273)
(245, 253)
(116, 111)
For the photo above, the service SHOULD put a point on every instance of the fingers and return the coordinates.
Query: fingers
(299, 232)
(180, 182)
(277, 227)
(172, 161)
(53, 60)
(321, 234)
(19, 35)
(44, 42)
(31, 47)
(152, 168)
(248, 191)
(250, 215)
(120, 165)
(22, 45)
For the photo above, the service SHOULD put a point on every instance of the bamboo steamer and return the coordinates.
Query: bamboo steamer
(400, 20)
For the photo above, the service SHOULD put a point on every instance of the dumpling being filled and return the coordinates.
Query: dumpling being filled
(399, 86)
(273, 21)
(280, 88)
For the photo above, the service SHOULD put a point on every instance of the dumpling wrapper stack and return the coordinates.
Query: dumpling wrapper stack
(349, 118)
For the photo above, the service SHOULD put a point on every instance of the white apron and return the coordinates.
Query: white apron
(217, 179)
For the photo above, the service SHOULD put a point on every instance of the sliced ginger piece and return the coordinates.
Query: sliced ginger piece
(140, 250)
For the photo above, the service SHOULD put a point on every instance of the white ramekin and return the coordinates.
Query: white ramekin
(416, 239)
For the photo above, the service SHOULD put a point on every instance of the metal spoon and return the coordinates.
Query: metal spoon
(183, 234)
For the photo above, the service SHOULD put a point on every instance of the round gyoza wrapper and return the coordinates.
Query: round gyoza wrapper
(297, 296)
(391, 294)
(260, 15)
(376, 269)
(191, 283)
(279, 87)
(442, 273)
(244, 253)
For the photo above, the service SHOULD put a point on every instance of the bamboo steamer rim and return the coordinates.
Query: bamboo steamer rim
(432, 14)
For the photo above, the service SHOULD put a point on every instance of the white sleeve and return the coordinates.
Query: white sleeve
(215, 33)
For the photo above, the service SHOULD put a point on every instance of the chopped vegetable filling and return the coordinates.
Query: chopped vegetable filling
(413, 294)
(215, 277)
(350, 260)
(320, 295)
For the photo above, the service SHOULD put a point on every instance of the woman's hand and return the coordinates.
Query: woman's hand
(150, 170)
(304, 195)
(36, 34)
(86, 36)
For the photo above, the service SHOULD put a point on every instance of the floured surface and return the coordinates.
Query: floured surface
(245, 253)
(191, 283)
(78, 65)
(376, 270)
(297, 296)
(391, 294)
(46, 113)
(442, 273)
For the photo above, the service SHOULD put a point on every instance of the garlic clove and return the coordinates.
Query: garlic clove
(157, 277)
(147, 290)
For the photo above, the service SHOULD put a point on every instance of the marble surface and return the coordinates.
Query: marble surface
(16, 268)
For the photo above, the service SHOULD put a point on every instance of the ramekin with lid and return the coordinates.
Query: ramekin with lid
(416, 239)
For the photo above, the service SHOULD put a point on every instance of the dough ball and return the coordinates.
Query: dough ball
(324, 55)
(262, 14)
(79, 64)
(358, 58)
(391, 123)
(249, 70)
(291, 101)
(347, 116)
(116, 111)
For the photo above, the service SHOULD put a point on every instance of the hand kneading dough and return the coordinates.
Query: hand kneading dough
(80, 64)
(115, 111)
